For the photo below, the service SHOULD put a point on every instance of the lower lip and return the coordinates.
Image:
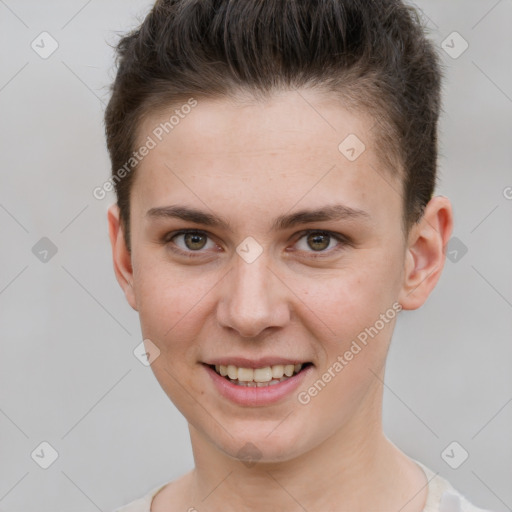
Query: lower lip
(254, 396)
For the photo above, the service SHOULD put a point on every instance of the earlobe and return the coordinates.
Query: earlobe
(120, 255)
(425, 256)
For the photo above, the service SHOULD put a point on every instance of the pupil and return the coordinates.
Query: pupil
(318, 241)
(194, 240)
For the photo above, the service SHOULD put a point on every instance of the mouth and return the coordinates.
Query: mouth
(258, 377)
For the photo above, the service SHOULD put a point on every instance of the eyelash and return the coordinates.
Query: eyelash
(167, 240)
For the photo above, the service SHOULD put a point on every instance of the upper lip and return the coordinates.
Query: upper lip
(262, 362)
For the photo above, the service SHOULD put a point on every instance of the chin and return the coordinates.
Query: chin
(258, 443)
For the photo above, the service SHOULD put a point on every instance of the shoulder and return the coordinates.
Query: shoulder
(442, 497)
(451, 500)
(142, 504)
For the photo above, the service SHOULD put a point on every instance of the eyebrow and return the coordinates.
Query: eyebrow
(305, 216)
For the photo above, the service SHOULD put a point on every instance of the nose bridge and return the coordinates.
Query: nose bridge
(252, 301)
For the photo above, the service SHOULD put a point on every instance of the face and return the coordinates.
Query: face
(256, 244)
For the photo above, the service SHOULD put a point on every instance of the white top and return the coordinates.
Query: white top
(442, 497)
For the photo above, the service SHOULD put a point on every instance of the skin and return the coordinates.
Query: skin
(286, 303)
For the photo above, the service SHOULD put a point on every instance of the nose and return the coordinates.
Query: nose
(253, 299)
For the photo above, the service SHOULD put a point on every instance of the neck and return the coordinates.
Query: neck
(357, 468)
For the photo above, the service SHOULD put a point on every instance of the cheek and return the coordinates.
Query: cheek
(351, 298)
(171, 302)
(358, 309)
(352, 314)
(173, 309)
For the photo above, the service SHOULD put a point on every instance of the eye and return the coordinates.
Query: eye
(195, 243)
(190, 241)
(320, 242)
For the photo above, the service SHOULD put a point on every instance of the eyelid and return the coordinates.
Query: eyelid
(342, 239)
(169, 236)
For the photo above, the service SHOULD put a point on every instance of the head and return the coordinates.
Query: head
(296, 142)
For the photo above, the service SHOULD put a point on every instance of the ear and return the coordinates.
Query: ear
(120, 255)
(425, 252)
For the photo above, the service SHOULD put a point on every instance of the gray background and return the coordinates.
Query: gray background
(68, 375)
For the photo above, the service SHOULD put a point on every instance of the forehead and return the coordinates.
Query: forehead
(287, 122)
(296, 146)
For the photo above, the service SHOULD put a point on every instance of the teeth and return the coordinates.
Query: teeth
(232, 372)
(257, 384)
(245, 374)
(277, 371)
(288, 370)
(262, 374)
(258, 377)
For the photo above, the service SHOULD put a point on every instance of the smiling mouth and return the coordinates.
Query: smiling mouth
(258, 377)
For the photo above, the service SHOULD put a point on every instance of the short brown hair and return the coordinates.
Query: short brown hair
(373, 54)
